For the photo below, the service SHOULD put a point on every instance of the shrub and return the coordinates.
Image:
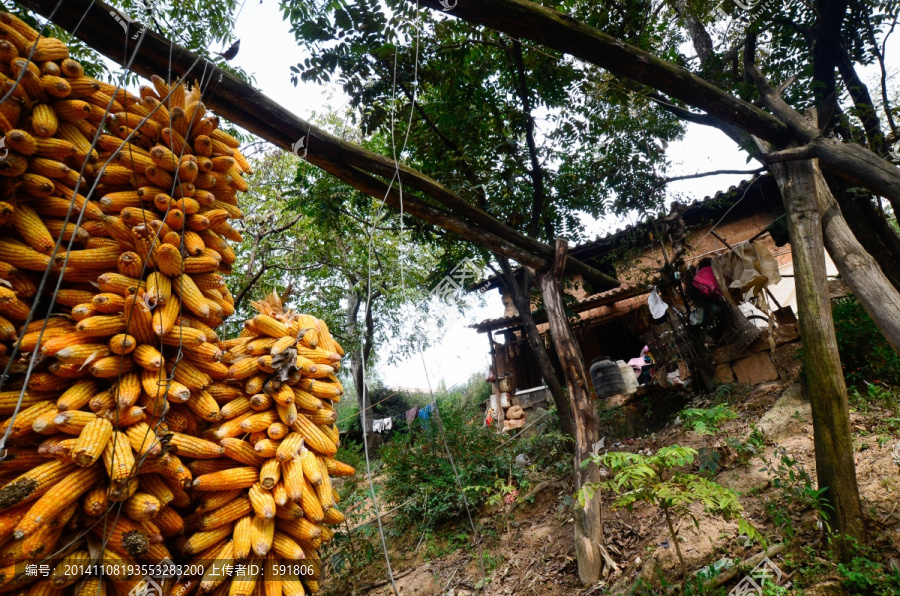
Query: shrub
(419, 476)
(865, 353)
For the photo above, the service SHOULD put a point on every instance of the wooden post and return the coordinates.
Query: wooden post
(835, 466)
(589, 541)
(495, 384)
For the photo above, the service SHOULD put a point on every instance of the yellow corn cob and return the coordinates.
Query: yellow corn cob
(203, 405)
(226, 514)
(118, 458)
(310, 465)
(44, 119)
(143, 440)
(56, 499)
(165, 316)
(235, 407)
(95, 502)
(232, 478)
(336, 468)
(241, 451)
(169, 522)
(200, 541)
(190, 294)
(215, 575)
(195, 448)
(270, 473)
(92, 441)
(22, 424)
(262, 533)
(286, 547)
(262, 501)
(259, 421)
(23, 257)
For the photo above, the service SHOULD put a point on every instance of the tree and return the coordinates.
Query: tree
(307, 233)
(509, 162)
(651, 479)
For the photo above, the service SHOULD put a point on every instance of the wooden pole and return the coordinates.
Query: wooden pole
(496, 382)
(589, 541)
(835, 465)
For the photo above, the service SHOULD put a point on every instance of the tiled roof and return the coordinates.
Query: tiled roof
(695, 212)
(716, 206)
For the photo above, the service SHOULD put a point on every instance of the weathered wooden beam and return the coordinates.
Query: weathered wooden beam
(523, 19)
(250, 109)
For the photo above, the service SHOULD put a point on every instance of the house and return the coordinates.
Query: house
(722, 343)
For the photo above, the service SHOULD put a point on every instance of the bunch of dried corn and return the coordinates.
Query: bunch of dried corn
(129, 356)
(278, 424)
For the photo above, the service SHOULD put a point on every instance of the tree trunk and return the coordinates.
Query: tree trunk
(354, 301)
(589, 541)
(522, 297)
(803, 189)
(870, 228)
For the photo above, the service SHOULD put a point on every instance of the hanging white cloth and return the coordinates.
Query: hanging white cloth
(658, 308)
(383, 425)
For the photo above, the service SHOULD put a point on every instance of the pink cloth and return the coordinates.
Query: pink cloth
(637, 364)
(705, 281)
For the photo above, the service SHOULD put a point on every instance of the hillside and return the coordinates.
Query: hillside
(765, 455)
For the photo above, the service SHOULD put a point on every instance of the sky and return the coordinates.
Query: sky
(268, 50)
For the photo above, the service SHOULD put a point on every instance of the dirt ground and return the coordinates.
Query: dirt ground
(535, 553)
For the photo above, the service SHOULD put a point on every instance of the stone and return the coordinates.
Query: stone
(513, 424)
(787, 361)
(724, 373)
(755, 369)
(787, 416)
(786, 334)
(515, 413)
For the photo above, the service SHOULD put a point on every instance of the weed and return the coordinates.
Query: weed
(864, 576)
(876, 393)
(797, 488)
(706, 421)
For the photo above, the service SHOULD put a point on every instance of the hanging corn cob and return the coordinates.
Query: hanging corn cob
(270, 491)
(105, 446)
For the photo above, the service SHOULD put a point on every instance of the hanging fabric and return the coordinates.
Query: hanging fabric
(425, 413)
(658, 308)
(747, 269)
(411, 414)
(705, 282)
(382, 425)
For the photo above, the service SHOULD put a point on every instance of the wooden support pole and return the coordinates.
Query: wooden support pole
(589, 541)
(248, 108)
(495, 385)
(835, 465)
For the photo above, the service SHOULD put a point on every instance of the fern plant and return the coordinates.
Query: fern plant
(653, 479)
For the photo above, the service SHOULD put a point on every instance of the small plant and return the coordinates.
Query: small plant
(706, 421)
(876, 393)
(864, 576)
(797, 487)
(652, 479)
